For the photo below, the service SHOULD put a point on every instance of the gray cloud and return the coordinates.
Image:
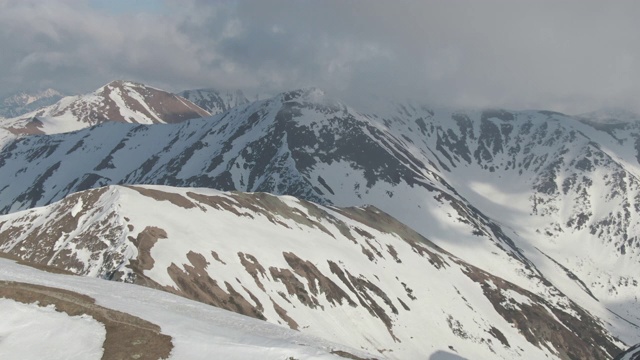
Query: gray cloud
(568, 56)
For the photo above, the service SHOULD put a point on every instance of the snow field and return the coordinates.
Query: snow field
(32, 332)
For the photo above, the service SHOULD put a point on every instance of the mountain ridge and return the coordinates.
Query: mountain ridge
(119, 100)
(24, 102)
(538, 199)
(353, 270)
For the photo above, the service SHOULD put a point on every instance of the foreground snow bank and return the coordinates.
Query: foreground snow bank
(198, 331)
(57, 335)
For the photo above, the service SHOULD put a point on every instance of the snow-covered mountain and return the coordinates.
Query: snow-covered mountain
(538, 199)
(24, 102)
(297, 143)
(62, 317)
(350, 275)
(120, 101)
(214, 101)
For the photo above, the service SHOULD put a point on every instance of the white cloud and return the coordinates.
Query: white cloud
(560, 55)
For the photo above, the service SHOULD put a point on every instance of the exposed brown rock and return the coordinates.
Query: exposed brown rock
(403, 304)
(40, 244)
(316, 281)
(361, 287)
(267, 205)
(364, 287)
(456, 328)
(347, 355)
(294, 286)
(499, 335)
(409, 291)
(43, 267)
(374, 249)
(32, 127)
(578, 337)
(253, 267)
(367, 253)
(217, 258)
(198, 260)
(144, 242)
(259, 306)
(175, 199)
(283, 315)
(195, 283)
(392, 251)
(434, 259)
(363, 233)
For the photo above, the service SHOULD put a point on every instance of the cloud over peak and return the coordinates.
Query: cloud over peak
(565, 56)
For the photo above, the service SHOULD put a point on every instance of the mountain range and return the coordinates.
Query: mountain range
(408, 231)
(24, 102)
(214, 101)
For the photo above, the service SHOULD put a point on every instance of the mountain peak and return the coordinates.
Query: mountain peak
(131, 85)
(123, 83)
(119, 100)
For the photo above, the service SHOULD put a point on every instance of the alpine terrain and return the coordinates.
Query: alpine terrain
(213, 101)
(23, 102)
(121, 101)
(405, 231)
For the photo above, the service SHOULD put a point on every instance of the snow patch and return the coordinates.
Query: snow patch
(32, 332)
(76, 208)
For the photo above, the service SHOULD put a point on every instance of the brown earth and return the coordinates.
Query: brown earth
(42, 267)
(175, 199)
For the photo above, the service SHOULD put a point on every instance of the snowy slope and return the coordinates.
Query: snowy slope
(197, 331)
(57, 335)
(214, 101)
(632, 353)
(121, 101)
(543, 200)
(354, 276)
(299, 143)
(566, 192)
(5, 137)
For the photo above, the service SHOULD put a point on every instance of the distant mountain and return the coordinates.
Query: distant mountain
(24, 102)
(354, 275)
(610, 115)
(119, 101)
(541, 200)
(215, 102)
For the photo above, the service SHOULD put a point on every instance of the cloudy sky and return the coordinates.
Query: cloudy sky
(571, 56)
